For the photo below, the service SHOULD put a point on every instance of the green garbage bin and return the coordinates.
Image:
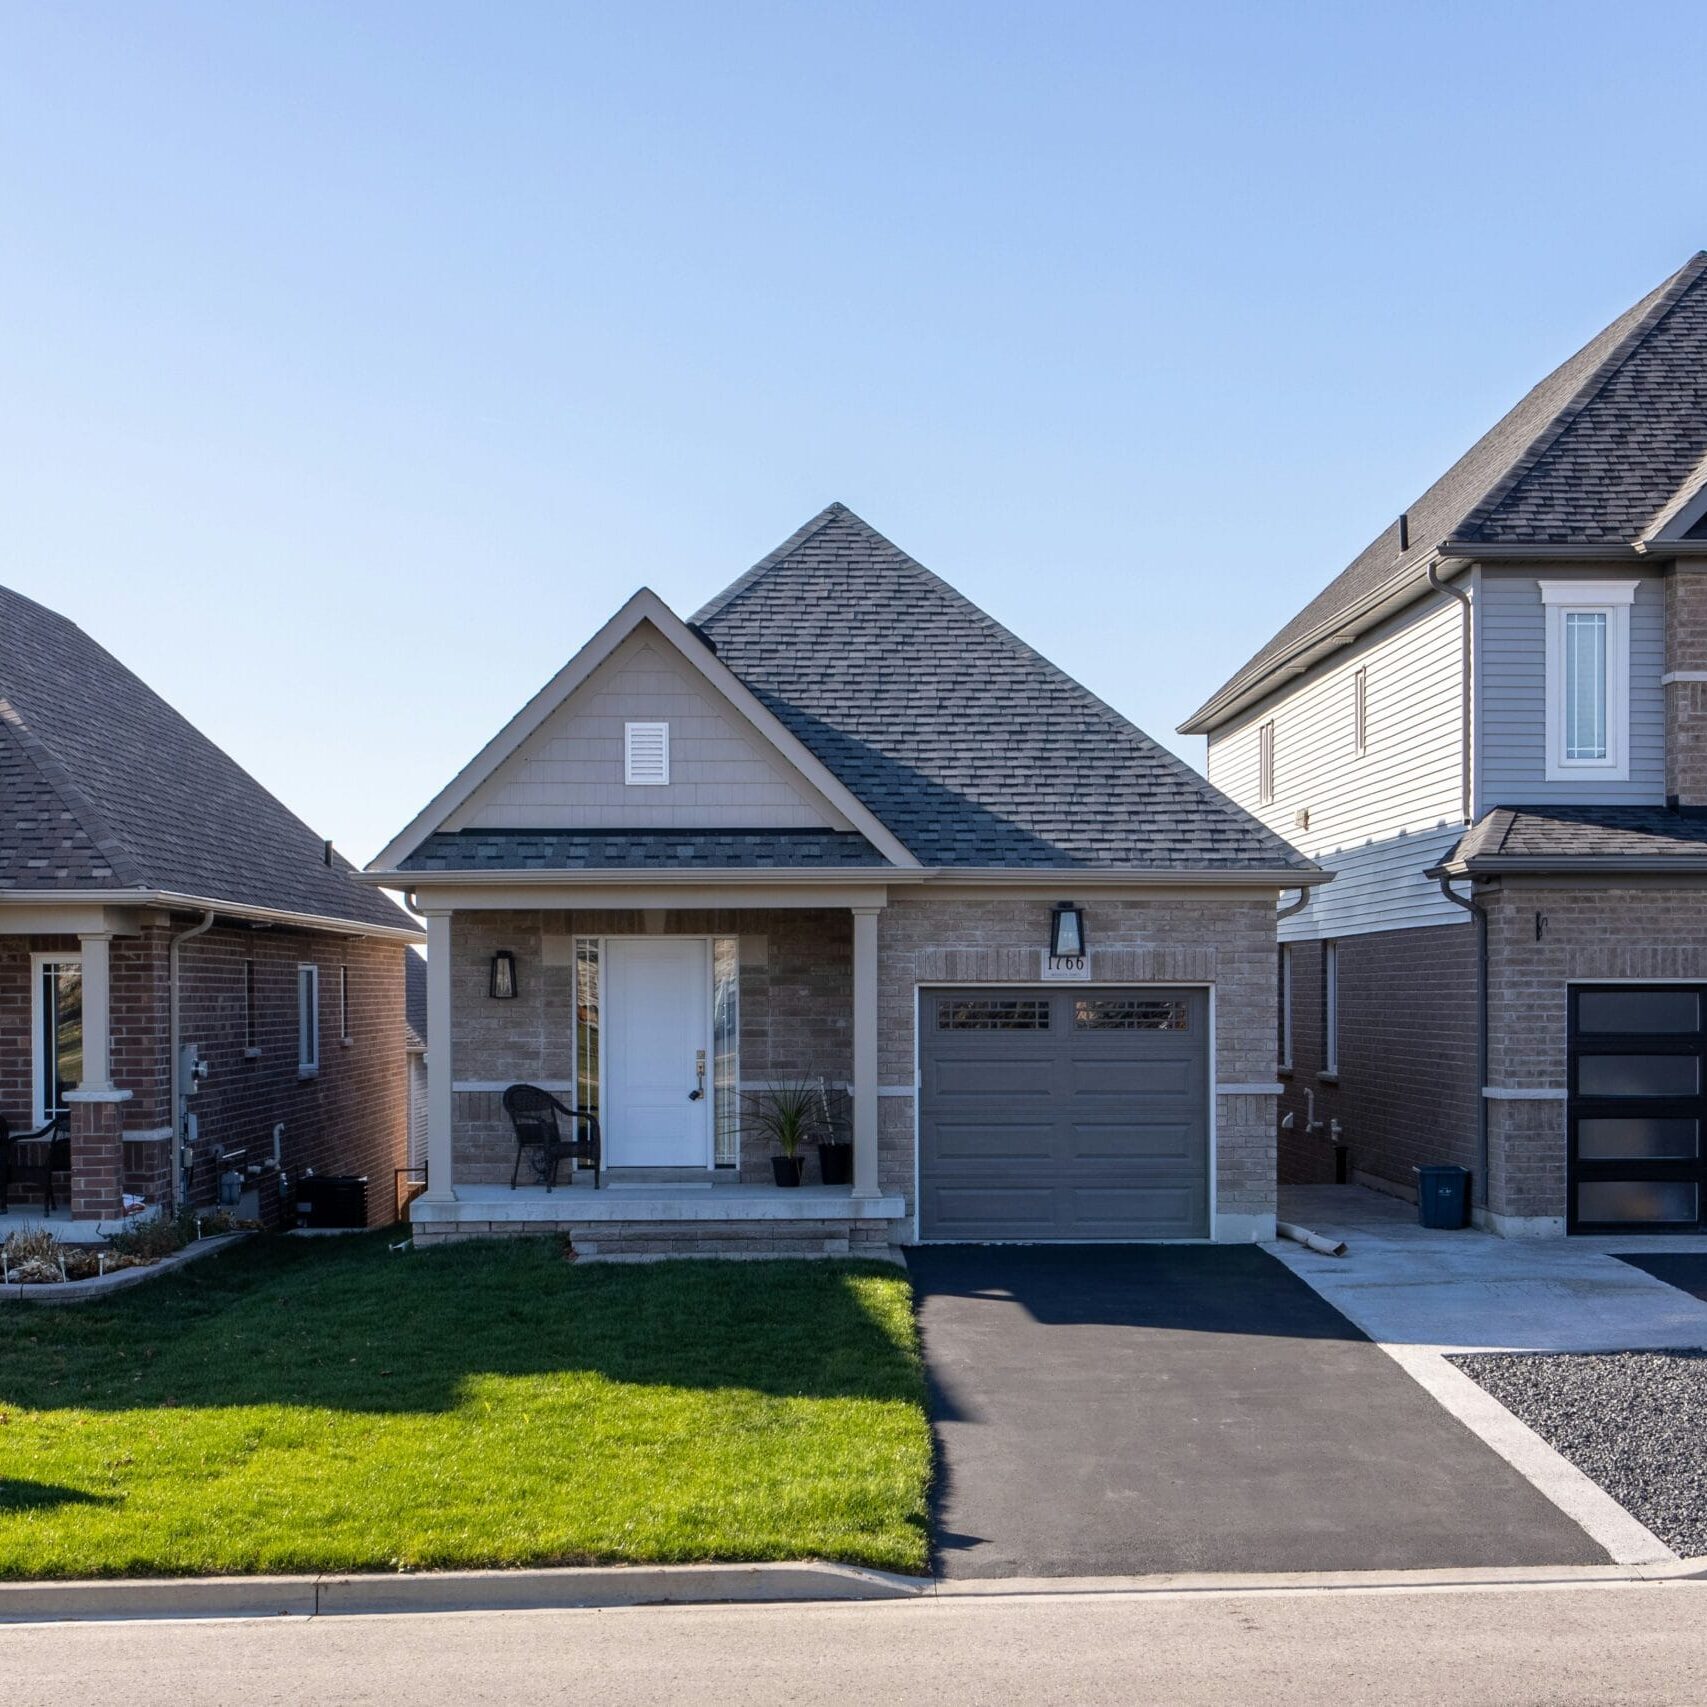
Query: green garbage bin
(1443, 1196)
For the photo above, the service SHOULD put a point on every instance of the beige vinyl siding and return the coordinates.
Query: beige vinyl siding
(569, 773)
(1511, 669)
(1376, 818)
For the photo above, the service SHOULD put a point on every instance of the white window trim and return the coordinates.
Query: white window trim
(1360, 710)
(1265, 763)
(1611, 599)
(1285, 1062)
(629, 775)
(1330, 1008)
(38, 1051)
(307, 1020)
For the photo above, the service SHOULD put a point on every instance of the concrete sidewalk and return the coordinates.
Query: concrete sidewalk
(1470, 1291)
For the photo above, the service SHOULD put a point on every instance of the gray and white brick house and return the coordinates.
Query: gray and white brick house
(827, 829)
(1492, 727)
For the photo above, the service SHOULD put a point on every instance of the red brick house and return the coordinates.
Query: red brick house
(191, 980)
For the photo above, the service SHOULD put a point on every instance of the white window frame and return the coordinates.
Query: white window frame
(1265, 763)
(641, 779)
(1611, 599)
(1331, 1009)
(39, 963)
(307, 1019)
(1360, 710)
(1285, 1061)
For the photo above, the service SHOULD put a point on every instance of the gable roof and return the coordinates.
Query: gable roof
(644, 607)
(1600, 453)
(107, 788)
(973, 749)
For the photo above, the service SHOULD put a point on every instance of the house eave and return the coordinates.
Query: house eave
(176, 901)
(1621, 865)
(859, 876)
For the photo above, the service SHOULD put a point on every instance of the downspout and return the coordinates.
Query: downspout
(175, 1046)
(1480, 913)
(1465, 670)
(1292, 907)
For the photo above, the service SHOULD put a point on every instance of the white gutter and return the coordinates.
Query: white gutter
(226, 909)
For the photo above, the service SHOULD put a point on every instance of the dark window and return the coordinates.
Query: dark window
(344, 1004)
(250, 1024)
(1638, 1010)
(992, 1014)
(1638, 1075)
(1638, 1137)
(1637, 1200)
(1125, 1013)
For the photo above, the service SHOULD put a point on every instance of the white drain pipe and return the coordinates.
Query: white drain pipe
(1310, 1241)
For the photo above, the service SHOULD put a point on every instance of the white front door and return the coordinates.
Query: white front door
(657, 1023)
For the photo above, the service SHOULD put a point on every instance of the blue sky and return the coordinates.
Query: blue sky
(360, 359)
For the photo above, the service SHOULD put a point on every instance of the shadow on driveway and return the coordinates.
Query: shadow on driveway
(1135, 1409)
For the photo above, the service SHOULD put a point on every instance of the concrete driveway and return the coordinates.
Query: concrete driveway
(1127, 1410)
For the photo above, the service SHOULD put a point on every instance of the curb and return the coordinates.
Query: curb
(100, 1286)
(448, 1591)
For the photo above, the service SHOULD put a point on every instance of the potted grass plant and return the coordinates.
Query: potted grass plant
(784, 1113)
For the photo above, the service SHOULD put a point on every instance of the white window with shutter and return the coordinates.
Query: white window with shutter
(646, 754)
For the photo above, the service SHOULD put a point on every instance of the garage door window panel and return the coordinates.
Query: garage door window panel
(1098, 1013)
(993, 1015)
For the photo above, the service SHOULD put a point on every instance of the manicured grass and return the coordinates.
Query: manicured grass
(323, 1404)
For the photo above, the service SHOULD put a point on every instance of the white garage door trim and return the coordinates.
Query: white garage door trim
(1212, 1088)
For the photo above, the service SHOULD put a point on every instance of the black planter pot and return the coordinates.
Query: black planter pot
(788, 1169)
(835, 1163)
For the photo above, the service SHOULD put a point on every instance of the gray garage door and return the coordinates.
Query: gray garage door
(1064, 1114)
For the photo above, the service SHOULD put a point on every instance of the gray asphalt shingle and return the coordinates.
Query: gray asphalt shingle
(1566, 833)
(107, 787)
(609, 850)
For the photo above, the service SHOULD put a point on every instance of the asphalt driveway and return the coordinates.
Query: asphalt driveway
(1132, 1409)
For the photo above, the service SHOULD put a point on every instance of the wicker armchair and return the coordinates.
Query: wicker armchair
(533, 1113)
(49, 1153)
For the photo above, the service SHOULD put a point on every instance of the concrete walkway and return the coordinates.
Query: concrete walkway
(1471, 1291)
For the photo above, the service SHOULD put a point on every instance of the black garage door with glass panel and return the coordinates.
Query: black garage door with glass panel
(1636, 1108)
(1064, 1114)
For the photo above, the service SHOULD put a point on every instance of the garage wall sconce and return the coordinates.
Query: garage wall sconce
(1066, 931)
(502, 988)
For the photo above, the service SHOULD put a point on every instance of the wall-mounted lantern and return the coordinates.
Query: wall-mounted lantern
(503, 985)
(1066, 931)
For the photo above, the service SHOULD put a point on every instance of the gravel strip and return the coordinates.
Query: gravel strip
(1633, 1421)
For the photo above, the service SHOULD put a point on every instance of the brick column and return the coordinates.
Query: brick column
(97, 1154)
(1686, 686)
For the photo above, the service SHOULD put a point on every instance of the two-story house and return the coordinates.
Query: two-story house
(1492, 726)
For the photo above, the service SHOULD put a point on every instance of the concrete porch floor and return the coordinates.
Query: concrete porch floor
(1472, 1291)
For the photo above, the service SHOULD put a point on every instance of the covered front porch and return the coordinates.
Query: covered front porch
(670, 1026)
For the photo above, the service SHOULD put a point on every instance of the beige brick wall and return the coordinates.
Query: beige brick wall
(796, 1006)
(1168, 939)
(1686, 702)
(1540, 939)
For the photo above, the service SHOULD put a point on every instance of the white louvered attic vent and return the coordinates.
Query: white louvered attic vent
(646, 754)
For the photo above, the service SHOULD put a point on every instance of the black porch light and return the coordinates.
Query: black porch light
(503, 985)
(1066, 931)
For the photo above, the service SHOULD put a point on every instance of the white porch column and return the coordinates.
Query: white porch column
(97, 1011)
(440, 1103)
(865, 1052)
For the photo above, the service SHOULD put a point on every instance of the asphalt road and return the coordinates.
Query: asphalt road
(1600, 1645)
(1132, 1410)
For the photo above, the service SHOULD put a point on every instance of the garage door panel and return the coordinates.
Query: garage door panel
(975, 1142)
(1110, 1143)
(1062, 1131)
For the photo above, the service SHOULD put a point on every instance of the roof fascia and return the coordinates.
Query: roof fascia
(807, 877)
(644, 606)
(172, 899)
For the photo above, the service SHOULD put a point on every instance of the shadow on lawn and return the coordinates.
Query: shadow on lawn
(42, 1496)
(346, 1325)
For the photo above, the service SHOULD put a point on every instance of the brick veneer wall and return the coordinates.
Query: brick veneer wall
(1406, 1090)
(796, 994)
(1201, 937)
(350, 1118)
(1686, 702)
(1643, 931)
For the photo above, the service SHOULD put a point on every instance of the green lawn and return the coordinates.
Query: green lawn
(323, 1404)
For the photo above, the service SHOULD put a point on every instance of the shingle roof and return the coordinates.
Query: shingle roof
(609, 850)
(106, 787)
(1542, 834)
(415, 997)
(1592, 455)
(970, 747)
